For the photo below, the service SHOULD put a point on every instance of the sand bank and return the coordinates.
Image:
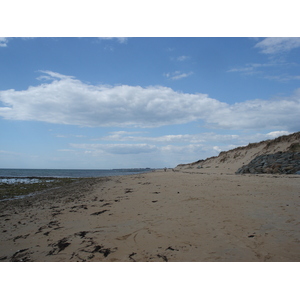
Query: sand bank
(160, 216)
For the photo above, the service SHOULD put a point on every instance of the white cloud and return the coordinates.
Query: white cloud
(275, 134)
(182, 58)
(3, 41)
(243, 70)
(217, 148)
(205, 138)
(53, 75)
(121, 40)
(177, 75)
(120, 136)
(146, 154)
(66, 100)
(274, 45)
(252, 68)
(179, 138)
(69, 136)
(262, 70)
(260, 114)
(282, 77)
(124, 136)
(69, 101)
(117, 148)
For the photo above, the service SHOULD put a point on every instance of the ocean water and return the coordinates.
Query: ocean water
(16, 175)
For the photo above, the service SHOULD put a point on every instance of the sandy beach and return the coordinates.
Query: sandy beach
(199, 215)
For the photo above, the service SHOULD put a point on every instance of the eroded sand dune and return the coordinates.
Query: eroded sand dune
(230, 161)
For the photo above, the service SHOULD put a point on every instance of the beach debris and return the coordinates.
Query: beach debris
(79, 206)
(170, 248)
(20, 236)
(59, 246)
(77, 255)
(99, 212)
(62, 244)
(105, 252)
(128, 191)
(82, 234)
(163, 257)
(56, 212)
(97, 248)
(130, 256)
(52, 223)
(20, 251)
(53, 207)
(20, 255)
(49, 225)
(101, 249)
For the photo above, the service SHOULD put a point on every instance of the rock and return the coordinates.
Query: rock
(99, 212)
(280, 162)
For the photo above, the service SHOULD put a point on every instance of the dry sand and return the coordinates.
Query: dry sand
(191, 215)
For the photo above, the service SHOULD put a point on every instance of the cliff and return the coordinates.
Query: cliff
(231, 161)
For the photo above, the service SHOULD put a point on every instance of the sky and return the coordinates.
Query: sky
(102, 103)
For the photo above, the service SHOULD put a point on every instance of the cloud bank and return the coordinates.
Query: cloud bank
(117, 148)
(167, 150)
(274, 45)
(67, 100)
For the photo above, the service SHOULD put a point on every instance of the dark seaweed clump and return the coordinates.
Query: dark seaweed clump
(18, 189)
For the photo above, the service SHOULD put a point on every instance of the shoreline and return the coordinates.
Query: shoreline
(17, 187)
(157, 216)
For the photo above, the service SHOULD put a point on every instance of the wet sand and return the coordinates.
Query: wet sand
(160, 216)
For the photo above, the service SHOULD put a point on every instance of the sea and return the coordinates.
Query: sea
(22, 175)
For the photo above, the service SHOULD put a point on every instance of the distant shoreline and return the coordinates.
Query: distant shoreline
(69, 173)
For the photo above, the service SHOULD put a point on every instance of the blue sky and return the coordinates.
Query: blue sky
(101, 103)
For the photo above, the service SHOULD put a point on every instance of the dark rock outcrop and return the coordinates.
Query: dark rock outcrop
(280, 163)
